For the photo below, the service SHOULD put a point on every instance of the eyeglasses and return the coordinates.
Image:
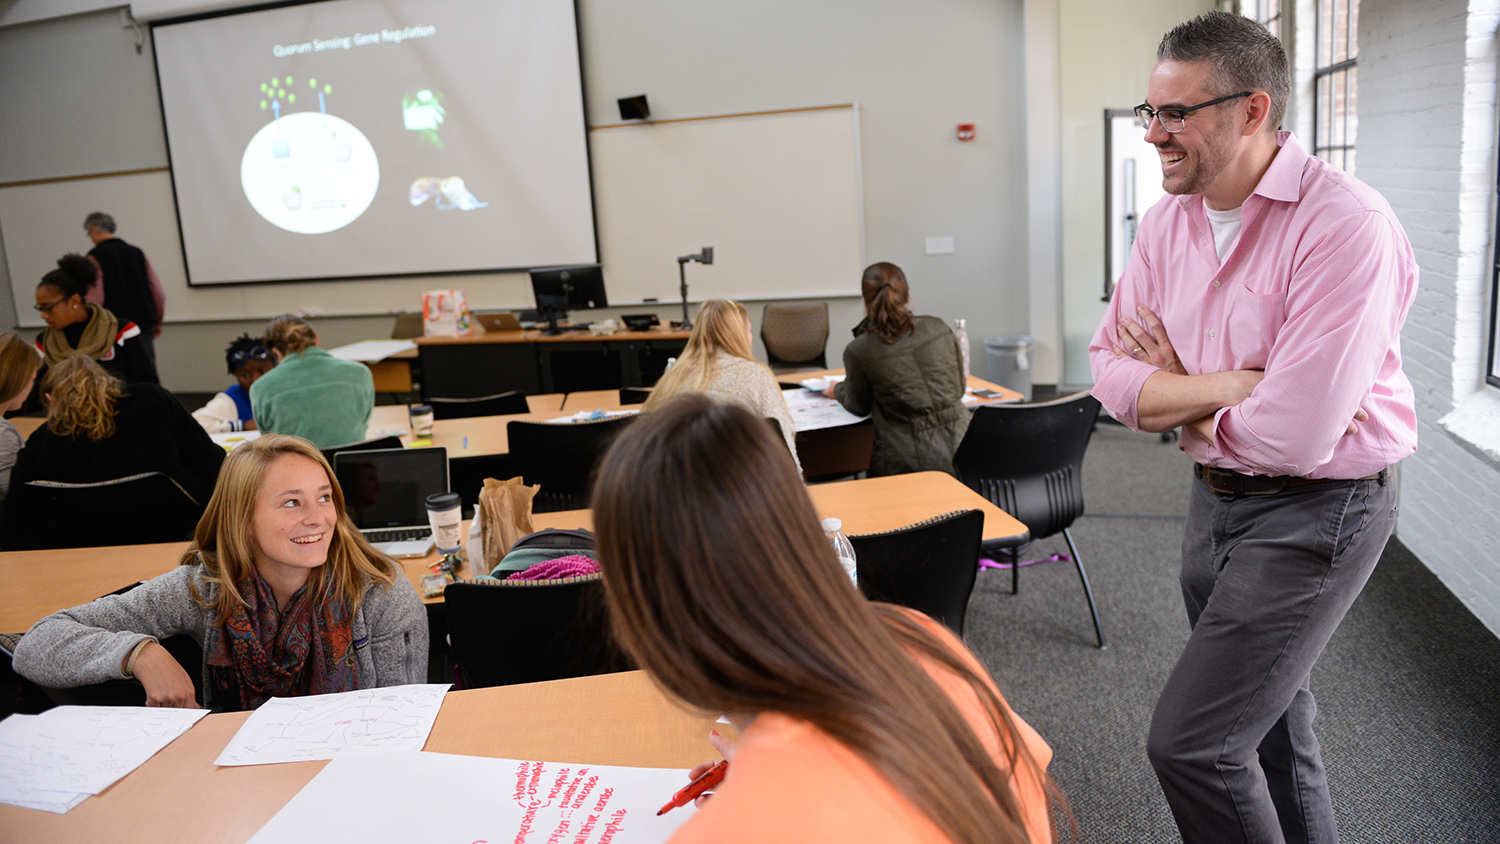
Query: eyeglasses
(47, 308)
(240, 357)
(1174, 119)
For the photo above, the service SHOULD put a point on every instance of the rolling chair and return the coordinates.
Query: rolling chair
(363, 445)
(133, 510)
(1028, 460)
(930, 566)
(508, 631)
(560, 458)
(795, 336)
(499, 404)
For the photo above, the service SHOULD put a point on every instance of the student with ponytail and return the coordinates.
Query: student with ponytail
(860, 721)
(906, 372)
(311, 394)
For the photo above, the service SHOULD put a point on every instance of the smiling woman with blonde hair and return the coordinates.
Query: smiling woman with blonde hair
(282, 592)
(719, 361)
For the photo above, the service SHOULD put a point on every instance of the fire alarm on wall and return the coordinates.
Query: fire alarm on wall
(966, 131)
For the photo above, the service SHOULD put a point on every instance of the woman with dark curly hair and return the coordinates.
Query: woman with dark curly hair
(78, 327)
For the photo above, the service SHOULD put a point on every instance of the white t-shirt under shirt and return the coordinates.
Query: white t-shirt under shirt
(1226, 226)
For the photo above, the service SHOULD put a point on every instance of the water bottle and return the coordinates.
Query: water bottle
(960, 328)
(842, 547)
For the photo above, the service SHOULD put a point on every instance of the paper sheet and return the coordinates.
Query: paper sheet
(811, 411)
(377, 798)
(372, 351)
(299, 729)
(54, 760)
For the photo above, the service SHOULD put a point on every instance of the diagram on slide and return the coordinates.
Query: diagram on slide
(307, 172)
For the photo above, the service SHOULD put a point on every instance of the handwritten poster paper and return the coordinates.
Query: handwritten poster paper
(373, 798)
(301, 729)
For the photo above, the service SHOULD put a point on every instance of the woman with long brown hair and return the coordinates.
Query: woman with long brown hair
(906, 372)
(718, 361)
(99, 429)
(278, 586)
(861, 722)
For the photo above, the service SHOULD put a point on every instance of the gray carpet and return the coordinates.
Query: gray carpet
(1407, 689)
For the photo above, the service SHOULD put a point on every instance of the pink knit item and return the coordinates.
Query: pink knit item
(573, 565)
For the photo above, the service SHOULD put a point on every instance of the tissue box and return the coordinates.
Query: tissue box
(445, 313)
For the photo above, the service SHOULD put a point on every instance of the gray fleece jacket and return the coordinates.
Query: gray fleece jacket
(88, 643)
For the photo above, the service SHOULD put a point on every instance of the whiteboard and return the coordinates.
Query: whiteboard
(779, 195)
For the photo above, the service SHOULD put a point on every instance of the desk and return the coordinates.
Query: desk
(25, 425)
(181, 797)
(533, 362)
(38, 583)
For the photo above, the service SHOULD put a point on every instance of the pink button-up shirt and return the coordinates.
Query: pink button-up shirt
(1314, 293)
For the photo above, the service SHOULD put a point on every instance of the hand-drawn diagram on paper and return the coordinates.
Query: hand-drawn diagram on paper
(366, 799)
(299, 729)
(51, 761)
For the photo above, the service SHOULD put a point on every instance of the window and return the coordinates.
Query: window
(1492, 370)
(1335, 81)
(1267, 12)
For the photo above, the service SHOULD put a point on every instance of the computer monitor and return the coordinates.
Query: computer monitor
(562, 289)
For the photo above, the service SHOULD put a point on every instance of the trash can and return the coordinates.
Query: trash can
(1010, 361)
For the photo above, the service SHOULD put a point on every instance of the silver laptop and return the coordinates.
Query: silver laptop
(385, 492)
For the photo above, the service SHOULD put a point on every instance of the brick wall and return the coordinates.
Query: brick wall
(1427, 78)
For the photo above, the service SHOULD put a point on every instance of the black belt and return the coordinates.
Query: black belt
(1230, 482)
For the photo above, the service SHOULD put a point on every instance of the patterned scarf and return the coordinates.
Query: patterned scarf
(259, 653)
(99, 333)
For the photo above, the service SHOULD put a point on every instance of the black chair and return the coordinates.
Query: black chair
(560, 458)
(364, 445)
(634, 395)
(1028, 460)
(506, 631)
(929, 566)
(795, 336)
(133, 510)
(499, 404)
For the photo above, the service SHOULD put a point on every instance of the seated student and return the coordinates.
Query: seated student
(248, 359)
(906, 372)
(19, 363)
(98, 429)
(311, 393)
(78, 327)
(278, 586)
(718, 361)
(860, 721)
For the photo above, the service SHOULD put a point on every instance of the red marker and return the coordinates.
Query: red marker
(695, 789)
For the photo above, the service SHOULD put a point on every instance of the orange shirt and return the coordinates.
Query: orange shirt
(791, 782)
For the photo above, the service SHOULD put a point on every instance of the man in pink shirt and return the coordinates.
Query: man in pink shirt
(1260, 311)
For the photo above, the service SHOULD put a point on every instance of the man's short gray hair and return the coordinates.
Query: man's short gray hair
(1244, 56)
(99, 220)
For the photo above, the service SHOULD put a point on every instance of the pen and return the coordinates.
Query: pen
(695, 789)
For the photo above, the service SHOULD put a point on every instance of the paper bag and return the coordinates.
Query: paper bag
(445, 313)
(504, 512)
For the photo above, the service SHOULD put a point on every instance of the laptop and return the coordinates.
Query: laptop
(501, 321)
(385, 492)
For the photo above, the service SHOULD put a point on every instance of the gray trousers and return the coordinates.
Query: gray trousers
(1266, 580)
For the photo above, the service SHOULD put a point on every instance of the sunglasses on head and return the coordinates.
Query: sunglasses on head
(243, 356)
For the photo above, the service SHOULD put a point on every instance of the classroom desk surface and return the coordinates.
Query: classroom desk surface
(38, 583)
(974, 383)
(181, 797)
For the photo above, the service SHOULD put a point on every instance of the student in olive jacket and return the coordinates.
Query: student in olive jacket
(906, 372)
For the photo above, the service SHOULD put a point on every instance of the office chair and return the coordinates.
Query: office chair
(795, 336)
(499, 404)
(525, 631)
(363, 445)
(133, 510)
(930, 566)
(408, 326)
(560, 457)
(1028, 460)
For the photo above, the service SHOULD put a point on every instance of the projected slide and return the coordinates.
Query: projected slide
(352, 138)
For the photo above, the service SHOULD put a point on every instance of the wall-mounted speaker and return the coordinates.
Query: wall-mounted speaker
(634, 108)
